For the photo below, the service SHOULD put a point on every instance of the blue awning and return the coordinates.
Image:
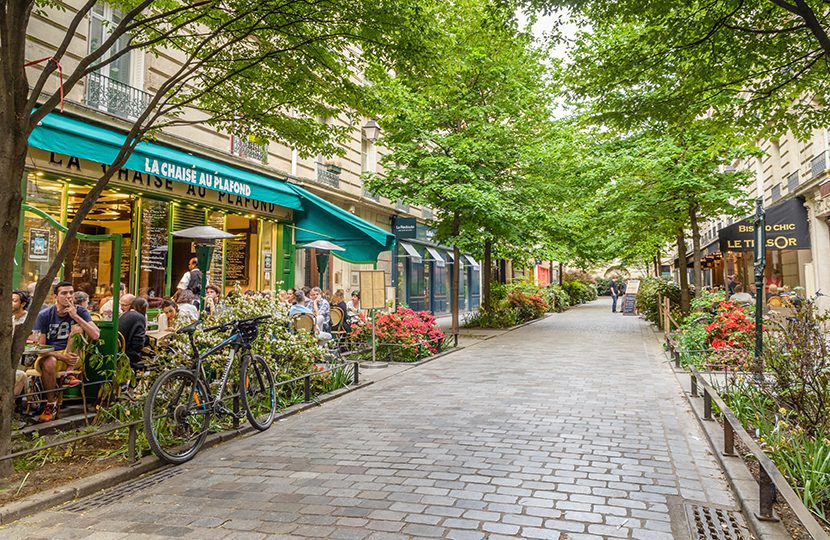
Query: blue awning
(322, 220)
(66, 135)
(314, 217)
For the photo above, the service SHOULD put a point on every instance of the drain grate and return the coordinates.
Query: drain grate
(117, 493)
(713, 523)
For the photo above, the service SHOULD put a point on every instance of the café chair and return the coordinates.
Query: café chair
(303, 322)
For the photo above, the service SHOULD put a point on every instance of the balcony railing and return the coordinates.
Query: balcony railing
(792, 182)
(369, 195)
(328, 174)
(245, 148)
(115, 97)
(818, 165)
(402, 206)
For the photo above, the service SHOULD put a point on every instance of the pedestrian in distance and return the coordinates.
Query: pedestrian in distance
(615, 294)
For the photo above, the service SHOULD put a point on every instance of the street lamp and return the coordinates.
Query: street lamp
(323, 247)
(760, 224)
(204, 236)
(371, 131)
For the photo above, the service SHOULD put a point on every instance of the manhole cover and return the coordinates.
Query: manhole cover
(713, 523)
(117, 493)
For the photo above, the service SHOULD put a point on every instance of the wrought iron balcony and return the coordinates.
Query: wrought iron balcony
(115, 97)
(369, 195)
(328, 174)
(245, 148)
(818, 165)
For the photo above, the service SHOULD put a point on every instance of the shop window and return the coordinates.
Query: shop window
(153, 252)
(184, 249)
(40, 240)
(269, 230)
(440, 286)
(418, 281)
(89, 265)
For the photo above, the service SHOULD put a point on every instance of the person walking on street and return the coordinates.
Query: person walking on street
(615, 294)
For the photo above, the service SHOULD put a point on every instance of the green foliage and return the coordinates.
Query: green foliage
(501, 316)
(651, 289)
(558, 299)
(526, 306)
(579, 292)
(603, 286)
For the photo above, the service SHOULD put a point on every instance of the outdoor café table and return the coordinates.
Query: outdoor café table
(158, 335)
(30, 354)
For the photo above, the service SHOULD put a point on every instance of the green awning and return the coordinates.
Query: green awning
(322, 220)
(68, 136)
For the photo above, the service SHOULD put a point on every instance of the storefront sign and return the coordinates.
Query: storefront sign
(168, 179)
(405, 227)
(786, 229)
(39, 245)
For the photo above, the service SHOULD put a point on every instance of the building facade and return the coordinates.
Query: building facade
(273, 201)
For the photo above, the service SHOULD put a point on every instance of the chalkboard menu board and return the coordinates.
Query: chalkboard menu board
(217, 219)
(154, 222)
(629, 304)
(236, 258)
(126, 252)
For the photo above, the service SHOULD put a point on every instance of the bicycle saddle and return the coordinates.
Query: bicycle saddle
(190, 328)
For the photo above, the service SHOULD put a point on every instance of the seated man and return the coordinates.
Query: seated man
(133, 326)
(300, 306)
(321, 308)
(57, 325)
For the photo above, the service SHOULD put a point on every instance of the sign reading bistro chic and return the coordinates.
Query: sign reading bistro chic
(192, 185)
(786, 229)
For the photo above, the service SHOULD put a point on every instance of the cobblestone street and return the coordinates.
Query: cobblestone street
(572, 427)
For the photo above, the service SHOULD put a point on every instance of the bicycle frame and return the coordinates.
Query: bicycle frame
(198, 367)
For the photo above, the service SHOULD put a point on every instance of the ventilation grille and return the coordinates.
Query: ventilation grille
(712, 523)
(185, 217)
(127, 488)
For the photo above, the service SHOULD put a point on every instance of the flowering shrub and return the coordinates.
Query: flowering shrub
(731, 328)
(405, 335)
(729, 359)
(527, 306)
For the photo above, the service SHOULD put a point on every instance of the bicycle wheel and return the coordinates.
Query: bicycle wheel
(259, 396)
(176, 416)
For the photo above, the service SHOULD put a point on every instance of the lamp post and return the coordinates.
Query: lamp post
(760, 223)
(371, 131)
(204, 236)
(323, 248)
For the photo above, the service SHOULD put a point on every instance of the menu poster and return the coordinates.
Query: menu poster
(126, 251)
(372, 289)
(154, 222)
(236, 258)
(215, 271)
(39, 244)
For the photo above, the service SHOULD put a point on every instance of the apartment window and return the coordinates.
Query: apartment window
(116, 86)
(776, 192)
(792, 182)
(818, 165)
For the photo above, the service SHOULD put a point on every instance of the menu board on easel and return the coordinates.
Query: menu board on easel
(372, 289)
(236, 258)
(154, 224)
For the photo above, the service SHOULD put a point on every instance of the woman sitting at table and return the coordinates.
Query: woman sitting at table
(187, 311)
(168, 316)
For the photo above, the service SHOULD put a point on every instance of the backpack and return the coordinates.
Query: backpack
(195, 282)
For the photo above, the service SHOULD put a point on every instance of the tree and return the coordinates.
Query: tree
(276, 66)
(651, 187)
(759, 66)
(456, 138)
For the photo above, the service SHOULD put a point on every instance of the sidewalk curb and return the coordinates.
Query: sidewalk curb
(112, 477)
(743, 484)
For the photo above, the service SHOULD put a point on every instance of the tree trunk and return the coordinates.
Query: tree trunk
(698, 268)
(685, 298)
(486, 275)
(456, 226)
(561, 272)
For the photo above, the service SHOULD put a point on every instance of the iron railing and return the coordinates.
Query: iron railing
(245, 148)
(818, 165)
(369, 195)
(328, 174)
(115, 97)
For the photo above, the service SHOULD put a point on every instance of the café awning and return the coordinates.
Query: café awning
(322, 220)
(314, 217)
(411, 252)
(66, 135)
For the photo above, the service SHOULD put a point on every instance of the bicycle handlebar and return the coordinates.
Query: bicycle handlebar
(231, 324)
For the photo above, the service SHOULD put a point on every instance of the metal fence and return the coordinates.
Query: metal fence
(115, 97)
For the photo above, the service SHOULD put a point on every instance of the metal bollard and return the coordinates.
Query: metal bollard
(235, 412)
(728, 439)
(356, 372)
(307, 388)
(694, 385)
(131, 440)
(767, 494)
(707, 405)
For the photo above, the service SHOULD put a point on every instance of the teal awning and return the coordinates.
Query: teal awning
(322, 220)
(68, 136)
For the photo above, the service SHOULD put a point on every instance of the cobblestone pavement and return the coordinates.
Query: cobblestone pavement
(572, 427)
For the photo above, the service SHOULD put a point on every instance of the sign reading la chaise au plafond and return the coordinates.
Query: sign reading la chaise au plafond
(786, 229)
(168, 179)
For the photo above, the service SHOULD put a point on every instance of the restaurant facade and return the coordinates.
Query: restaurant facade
(162, 189)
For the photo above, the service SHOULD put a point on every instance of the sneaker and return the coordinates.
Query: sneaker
(49, 413)
(71, 380)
